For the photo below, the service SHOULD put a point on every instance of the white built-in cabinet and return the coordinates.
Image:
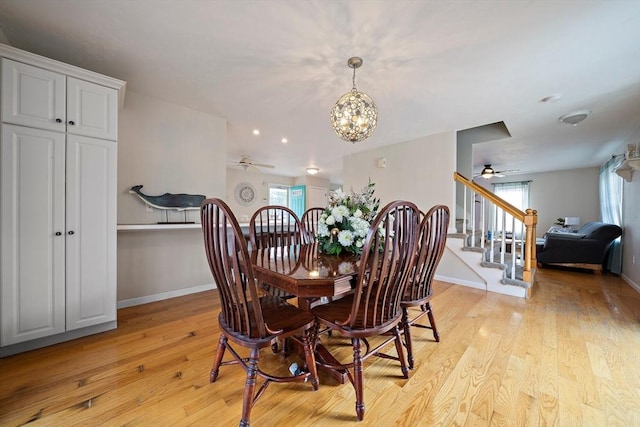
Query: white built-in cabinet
(58, 154)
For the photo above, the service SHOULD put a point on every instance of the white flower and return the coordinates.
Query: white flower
(357, 213)
(340, 212)
(360, 226)
(330, 220)
(359, 243)
(345, 238)
(323, 230)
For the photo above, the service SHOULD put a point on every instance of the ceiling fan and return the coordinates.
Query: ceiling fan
(489, 172)
(246, 163)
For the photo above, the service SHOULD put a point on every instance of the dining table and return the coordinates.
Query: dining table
(302, 270)
(313, 277)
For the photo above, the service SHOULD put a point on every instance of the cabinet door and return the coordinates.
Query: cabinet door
(32, 96)
(32, 280)
(91, 231)
(92, 110)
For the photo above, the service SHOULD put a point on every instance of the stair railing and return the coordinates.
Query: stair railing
(486, 225)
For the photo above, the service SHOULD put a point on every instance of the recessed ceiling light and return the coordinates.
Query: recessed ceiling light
(551, 98)
(284, 140)
(312, 171)
(575, 117)
(256, 132)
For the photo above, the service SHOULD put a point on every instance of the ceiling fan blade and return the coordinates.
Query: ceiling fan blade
(508, 171)
(262, 165)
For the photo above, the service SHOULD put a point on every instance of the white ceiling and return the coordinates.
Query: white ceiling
(430, 66)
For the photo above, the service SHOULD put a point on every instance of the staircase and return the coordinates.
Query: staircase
(493, 247)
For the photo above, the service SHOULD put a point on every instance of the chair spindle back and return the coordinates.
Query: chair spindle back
(387, 257)
(433, 237)
(228, 258)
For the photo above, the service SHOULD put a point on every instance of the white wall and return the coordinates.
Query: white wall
(168, 149)
(420, 171)
(3, 38)
(261, 183)
(631, 221)
(559, 194)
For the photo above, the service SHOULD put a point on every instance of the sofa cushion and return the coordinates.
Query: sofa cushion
(600, 231)
(567, 235)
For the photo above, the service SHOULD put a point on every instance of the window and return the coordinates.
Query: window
(517, 194)
(279, 195)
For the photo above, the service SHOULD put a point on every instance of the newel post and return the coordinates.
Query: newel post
(530, 222)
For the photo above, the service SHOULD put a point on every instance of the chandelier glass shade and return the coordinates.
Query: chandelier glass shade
(354, 117)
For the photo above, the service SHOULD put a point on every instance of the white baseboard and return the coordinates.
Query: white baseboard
(164, 295)
(56, 339)
(456, 281)
(633, 284)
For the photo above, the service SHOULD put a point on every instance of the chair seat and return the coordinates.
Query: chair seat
(409, 300)
(339, 310)
(281, 317)
(279, 314)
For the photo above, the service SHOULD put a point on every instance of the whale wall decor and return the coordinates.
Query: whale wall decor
(168, 201)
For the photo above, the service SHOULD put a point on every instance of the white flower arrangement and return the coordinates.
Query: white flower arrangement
(344, 224)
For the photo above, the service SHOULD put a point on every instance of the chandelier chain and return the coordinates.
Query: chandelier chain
(353, 80)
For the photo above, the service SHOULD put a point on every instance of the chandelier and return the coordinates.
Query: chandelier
(355, 116)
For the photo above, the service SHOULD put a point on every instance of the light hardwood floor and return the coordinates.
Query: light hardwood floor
(568, 356)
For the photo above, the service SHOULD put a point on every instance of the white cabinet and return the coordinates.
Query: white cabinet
(43, 99)
(32, 225)
(58, 175)
(90, 231)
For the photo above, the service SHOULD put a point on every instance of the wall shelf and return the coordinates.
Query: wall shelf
(150, 227)
(139, 227)
(625, 170)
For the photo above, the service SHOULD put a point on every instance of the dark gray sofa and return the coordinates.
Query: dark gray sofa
(587, 248)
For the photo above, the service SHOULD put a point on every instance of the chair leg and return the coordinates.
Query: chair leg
(358, 374)
(399, 349)
(310, 358)
(222, 346)
(432, 320)
(407, 336)
(249, 387)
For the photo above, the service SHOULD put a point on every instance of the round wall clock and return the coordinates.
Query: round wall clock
(245, 193)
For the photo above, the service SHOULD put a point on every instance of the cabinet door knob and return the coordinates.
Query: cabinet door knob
(71, 122)
(58, 233)
(58, 120)
(71, 233)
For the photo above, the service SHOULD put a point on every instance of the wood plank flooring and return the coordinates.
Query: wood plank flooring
(568, 356)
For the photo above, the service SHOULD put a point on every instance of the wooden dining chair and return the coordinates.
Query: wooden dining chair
(275, 227)
(246, 319)
(309, 222)
(374, 308)
(418, 293)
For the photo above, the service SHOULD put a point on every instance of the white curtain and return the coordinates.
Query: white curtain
(516, 193)
(611, 189)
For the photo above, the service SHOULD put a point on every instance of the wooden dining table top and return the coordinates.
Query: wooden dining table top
(302, 271)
